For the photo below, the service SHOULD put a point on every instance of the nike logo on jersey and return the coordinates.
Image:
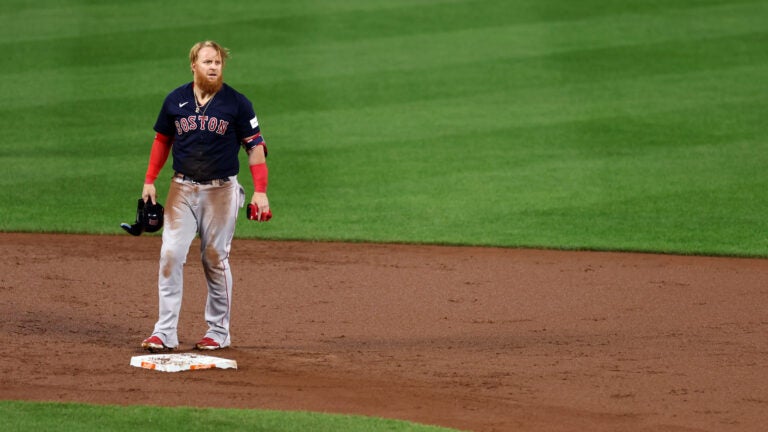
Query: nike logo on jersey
(181, 105)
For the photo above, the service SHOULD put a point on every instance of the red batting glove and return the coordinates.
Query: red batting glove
(254, 214)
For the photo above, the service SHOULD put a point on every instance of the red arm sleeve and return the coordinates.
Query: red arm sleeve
(161, 148)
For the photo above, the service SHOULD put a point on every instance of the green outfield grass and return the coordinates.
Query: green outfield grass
(604, 125)
(580, 125)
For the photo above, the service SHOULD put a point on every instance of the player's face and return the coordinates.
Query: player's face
(208, 69)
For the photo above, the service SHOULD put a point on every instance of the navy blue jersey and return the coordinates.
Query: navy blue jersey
(206, 144)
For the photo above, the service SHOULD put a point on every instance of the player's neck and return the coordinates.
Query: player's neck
(203, 94)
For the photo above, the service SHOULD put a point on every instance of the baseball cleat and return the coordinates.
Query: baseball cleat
(207, 344)
(153, 343)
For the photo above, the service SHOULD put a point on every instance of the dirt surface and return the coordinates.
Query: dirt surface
(479, 339)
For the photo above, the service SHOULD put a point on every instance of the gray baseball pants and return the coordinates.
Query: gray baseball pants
(209, 210)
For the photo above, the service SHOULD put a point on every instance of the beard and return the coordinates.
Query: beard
(207, 86)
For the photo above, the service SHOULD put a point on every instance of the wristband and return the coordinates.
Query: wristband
(260, 175)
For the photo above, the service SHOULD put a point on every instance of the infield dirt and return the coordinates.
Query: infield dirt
(481, 339)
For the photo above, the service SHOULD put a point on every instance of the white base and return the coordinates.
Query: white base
(181, 362)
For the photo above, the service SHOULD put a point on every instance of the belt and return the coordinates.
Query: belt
(217, 182)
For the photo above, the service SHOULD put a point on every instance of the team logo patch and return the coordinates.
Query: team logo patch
(254, 122)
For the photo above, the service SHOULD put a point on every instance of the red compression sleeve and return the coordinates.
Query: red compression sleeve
(161, 148)
(260, 175)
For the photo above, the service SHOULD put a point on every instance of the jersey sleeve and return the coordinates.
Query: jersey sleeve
(248, 124)
(165, 120)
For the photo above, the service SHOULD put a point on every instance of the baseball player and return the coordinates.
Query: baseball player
(203, 123)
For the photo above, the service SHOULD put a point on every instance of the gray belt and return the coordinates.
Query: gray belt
(216, 182)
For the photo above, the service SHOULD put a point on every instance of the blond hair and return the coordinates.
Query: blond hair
(223, 52)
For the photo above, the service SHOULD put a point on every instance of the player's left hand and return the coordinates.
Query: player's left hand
(258, 209)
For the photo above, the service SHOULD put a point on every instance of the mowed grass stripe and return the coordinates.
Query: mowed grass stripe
(574, 72)
(88, 46)
(541, 106)
(50, 19)
(318, 60)
(415, 27)
(372, 52)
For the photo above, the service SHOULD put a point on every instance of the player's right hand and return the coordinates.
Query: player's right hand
(149, 192)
